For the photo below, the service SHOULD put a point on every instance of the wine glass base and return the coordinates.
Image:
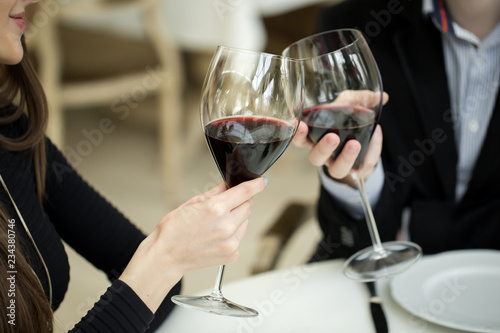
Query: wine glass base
(214, 304)
(370, 265)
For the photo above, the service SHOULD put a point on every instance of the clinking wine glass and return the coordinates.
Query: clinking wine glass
(343, 95)
(251, 105)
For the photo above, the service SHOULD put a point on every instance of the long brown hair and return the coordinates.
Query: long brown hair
(19, 85)
(28, 310)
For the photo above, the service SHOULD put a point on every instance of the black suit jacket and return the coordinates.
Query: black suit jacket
(419, 153)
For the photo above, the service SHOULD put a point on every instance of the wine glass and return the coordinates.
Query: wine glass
(251, 105)
(343, 95)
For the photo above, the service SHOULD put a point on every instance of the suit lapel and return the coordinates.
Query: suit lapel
(420, 52)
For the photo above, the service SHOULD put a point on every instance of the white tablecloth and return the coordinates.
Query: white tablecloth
(309, 298)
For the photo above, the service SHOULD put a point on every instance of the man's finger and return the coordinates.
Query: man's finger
(300, 139)
(323, 150)
(342, 165)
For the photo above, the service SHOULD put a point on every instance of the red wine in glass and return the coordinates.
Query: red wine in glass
(244, 147)
(348, 122)
(251, 103)
(343, 95)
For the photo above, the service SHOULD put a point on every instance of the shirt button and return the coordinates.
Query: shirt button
(480, 63)
(473, 126)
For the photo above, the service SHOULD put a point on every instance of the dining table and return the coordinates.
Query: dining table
(317, 297)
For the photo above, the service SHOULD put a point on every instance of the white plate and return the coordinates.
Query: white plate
(458, 289)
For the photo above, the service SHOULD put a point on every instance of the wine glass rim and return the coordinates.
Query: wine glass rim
(255, 52)
(357, 33)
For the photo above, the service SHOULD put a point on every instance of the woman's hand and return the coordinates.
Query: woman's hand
(339, 168)
(204, 231)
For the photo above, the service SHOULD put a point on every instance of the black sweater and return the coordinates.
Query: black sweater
(74, 212)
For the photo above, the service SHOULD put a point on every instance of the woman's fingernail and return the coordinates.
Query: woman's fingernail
(266, 181)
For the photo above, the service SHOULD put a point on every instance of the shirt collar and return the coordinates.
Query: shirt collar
(437, 11)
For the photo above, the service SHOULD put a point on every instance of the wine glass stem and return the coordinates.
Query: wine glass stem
(216, 292)
(370, 220)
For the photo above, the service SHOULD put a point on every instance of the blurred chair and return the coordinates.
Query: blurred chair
(103, 24)
(274, 240)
